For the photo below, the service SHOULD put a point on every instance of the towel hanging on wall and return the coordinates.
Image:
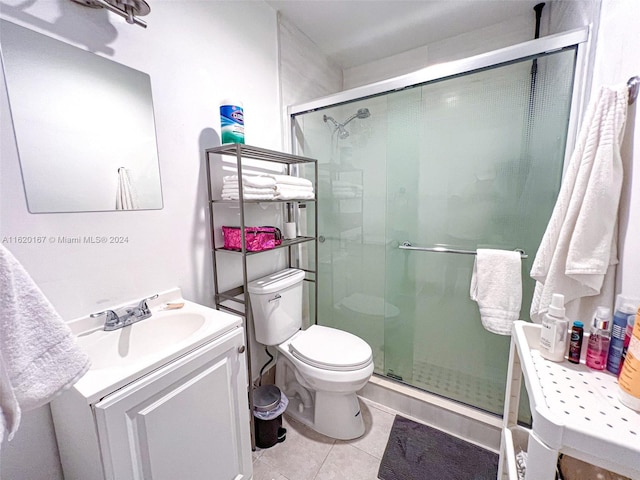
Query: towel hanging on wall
(496, 284)
(39, 356)
(578, 252)
(126, 198)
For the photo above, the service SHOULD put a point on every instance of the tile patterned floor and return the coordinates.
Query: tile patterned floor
(308, 455)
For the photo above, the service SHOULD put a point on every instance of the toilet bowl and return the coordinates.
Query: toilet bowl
(320, 368)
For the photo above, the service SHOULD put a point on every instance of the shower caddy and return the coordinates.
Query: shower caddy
(575, 411)
(240, 294)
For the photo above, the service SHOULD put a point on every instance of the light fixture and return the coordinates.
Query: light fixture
(129, 9)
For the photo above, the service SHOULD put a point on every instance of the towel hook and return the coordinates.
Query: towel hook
(633, 85)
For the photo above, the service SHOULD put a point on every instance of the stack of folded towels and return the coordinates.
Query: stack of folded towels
(267, 187)
(343, 189)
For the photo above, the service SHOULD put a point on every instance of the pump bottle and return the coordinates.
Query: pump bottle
(598, 345)
(555, 328)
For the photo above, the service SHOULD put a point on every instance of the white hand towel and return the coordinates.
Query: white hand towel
(496, 284)
(39, 356)
(578, 254)
(126, 198)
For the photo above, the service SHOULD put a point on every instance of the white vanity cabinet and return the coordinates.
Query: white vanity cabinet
(185, 420)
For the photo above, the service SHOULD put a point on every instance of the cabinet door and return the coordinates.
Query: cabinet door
(187, 420)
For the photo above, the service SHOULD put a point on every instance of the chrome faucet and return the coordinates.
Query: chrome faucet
(132, 315)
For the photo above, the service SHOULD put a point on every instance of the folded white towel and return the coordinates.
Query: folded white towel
(40, 357)
(259, 181)
(245, 190)
(295, 195)
(496, 284)
(290, 180)
(289, 188)
(248, 196)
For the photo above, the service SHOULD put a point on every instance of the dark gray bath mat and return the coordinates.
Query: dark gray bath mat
(418, 452)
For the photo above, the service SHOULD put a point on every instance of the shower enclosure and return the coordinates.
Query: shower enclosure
(453, 158)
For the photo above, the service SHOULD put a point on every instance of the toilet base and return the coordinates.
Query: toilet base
(338, 416)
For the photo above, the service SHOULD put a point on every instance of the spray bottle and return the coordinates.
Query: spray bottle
(555, 327)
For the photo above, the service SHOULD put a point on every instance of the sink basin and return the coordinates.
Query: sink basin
(136, 341)
(121, 356)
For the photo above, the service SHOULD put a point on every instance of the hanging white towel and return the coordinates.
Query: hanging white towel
(39, 356)
(496, 284)
(126, 198)
(578, 254)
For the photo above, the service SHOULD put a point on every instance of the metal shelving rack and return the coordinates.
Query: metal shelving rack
(240, 294)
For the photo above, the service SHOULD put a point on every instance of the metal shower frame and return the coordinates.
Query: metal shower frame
(580, 38)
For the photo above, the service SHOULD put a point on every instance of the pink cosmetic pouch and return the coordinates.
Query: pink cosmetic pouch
(257, 238)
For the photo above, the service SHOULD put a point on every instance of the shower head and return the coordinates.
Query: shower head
(339, 127)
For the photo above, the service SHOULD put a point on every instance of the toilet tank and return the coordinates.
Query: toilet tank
(276, 303)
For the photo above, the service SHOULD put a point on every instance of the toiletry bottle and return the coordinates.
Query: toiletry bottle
(554, 336)
(629, 379)
(618, 331)
(575, 342)
(598, 345)
(627, 339)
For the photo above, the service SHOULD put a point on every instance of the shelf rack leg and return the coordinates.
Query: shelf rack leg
(511, 404)
(541, 460)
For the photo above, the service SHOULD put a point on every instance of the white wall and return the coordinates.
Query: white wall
(196, 54)
(305, 72)
(516, 30)
(557, 16)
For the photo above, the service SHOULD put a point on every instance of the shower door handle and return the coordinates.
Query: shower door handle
(321, 239)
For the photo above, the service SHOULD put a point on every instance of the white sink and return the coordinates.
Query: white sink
(123, 355)
(136, 341)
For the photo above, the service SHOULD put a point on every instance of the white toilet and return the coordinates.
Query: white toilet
(319, 369)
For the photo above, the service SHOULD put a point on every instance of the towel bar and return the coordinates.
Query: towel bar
(408, 246)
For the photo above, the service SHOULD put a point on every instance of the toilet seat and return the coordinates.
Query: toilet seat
(331, 349)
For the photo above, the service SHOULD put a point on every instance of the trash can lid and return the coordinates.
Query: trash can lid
(266, 397)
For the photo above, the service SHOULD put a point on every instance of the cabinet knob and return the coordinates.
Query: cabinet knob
(241, 349)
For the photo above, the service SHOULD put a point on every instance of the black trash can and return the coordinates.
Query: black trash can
(268, 406)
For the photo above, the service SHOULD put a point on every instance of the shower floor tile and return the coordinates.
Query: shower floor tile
(483, 394)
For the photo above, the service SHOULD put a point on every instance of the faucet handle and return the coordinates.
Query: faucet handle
(109, 313)
(112, 318)
(143, 304)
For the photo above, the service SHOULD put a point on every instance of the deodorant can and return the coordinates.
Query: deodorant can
(232, 121)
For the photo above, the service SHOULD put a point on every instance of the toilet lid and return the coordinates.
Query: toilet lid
(331, 349)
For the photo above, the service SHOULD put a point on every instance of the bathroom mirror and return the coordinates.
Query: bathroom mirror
(84, 126)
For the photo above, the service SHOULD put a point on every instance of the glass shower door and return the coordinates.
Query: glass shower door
(472, 162)
(465, 162)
